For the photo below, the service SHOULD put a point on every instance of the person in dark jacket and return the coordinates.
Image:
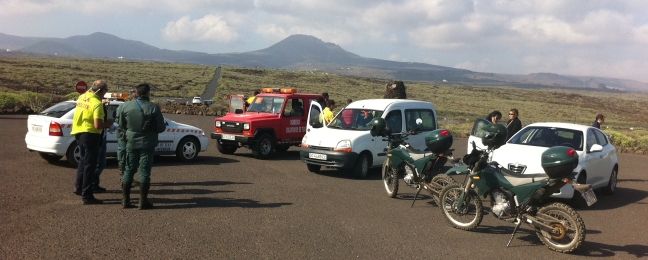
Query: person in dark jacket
(494, 117)
(141, 121)
(598, 120)
(513, 125)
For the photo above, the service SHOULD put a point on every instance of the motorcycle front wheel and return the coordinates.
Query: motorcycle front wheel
(390, 179)
(568, 227)
(466, 213)
(437, 184)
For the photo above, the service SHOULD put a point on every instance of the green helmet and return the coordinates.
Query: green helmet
(495, 135)
(379, 127)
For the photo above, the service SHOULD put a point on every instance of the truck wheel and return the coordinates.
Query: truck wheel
(50, 157)
(314, 168)
(226, 148)
(188, 149)
(73, 154)
(264, 147)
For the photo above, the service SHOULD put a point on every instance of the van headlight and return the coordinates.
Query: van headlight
(343, 146)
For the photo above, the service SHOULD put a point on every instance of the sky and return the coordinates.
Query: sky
(607, 38)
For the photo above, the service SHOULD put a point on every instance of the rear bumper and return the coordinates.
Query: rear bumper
(334, 159)
(48, 144)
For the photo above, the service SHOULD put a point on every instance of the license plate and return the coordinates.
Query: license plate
(229, 137)
(318, 156)
(589, 196)
(37, 128)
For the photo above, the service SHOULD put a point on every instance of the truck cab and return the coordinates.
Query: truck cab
(274, 121)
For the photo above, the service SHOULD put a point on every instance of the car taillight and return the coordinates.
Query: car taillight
(55, 129)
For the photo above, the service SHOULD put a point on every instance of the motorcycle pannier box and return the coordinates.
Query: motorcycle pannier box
(439, 141)
(559, 161)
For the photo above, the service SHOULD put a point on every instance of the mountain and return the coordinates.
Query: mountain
(304, 52)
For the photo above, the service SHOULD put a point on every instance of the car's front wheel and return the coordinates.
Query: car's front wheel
(264, 147)
(187, 149)
(226, 148)
(612, 183)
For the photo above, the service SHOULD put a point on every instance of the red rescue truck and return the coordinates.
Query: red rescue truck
(274, 121)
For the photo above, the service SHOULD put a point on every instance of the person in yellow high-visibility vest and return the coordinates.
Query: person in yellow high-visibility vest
(327, 112)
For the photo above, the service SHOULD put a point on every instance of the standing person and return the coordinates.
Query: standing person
(494, 117)
(101, 156)
(87, 124)
(141, 121)
(513, 124)
(250, 99)
(326, 97)
(598, 120)
(121, 137)
(327, 112)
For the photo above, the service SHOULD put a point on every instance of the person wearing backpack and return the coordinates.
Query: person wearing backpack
(141, 121)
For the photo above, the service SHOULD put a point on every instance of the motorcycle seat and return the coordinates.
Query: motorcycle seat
(416, 153)
(517, 179)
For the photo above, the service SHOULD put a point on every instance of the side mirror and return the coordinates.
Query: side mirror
(596, 148)
(238, 111)
(379, 127)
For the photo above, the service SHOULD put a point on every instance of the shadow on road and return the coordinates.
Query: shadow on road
(186, 191)
(202, 202)
(622, 197)
(373, 174)
(198, 183)
(161, 161)
(292, 155)
(603, 250)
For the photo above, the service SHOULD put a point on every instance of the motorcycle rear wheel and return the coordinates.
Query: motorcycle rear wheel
(569, 226)
(390, 179)
(437, 184)
(466, 217)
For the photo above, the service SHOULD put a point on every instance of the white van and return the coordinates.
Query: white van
(346, 143)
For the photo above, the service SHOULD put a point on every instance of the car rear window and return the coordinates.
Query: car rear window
(59, 109)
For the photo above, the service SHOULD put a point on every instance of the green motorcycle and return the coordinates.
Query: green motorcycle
(418, 169)
(517, 199)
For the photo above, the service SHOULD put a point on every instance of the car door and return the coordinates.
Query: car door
(606, 162)
(428, 125)
(314, 112)
(476, 135)
(292, 119)
(594, 160)
(167, 140)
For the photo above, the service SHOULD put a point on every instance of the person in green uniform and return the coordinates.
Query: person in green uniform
(121, 138)
(141, 121)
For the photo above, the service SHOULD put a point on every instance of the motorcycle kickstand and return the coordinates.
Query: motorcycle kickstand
(519, 222)
(416, 196)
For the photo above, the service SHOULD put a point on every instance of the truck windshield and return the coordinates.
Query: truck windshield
(355, 119)
(266, 104)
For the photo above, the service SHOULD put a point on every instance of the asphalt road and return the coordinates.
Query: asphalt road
(240, 207)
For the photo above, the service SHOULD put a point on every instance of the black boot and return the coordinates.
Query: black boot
(126, 189)
(144, 203)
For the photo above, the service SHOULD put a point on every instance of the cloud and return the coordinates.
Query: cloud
(547, 29)
(208, 28)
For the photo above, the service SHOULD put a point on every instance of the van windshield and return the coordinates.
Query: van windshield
(355, 119)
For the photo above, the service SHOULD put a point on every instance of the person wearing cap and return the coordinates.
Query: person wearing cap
(87, 125)
(141, 121)
(598, 120)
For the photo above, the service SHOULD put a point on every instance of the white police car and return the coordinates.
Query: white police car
(48, 133)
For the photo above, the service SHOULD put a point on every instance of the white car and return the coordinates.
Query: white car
(346, 143)
(598, 163)
(48, 133)
(196, 100)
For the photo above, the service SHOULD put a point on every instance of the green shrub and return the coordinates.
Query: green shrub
(9, 100)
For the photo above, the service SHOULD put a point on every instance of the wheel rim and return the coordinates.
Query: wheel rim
(564, 230)
(613, 180)
(77, 154)
(459, 217)
(189, 150)
(265, 147)
(389, 180)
